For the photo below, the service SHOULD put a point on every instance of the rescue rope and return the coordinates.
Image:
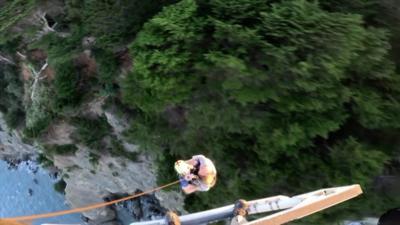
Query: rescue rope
(85, 208)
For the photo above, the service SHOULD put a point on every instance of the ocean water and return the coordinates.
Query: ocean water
(28, 189)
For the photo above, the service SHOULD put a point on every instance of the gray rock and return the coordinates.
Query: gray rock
(12, 149)
(88, 183)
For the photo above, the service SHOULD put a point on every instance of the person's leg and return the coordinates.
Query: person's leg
(172, 218)
(240, 212)
(238, 220)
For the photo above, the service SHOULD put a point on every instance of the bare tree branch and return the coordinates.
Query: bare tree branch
(46, 27)
(6, 60)
(37, 76)
(22, 56)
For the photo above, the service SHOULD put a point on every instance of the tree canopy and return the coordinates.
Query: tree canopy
(266, 89)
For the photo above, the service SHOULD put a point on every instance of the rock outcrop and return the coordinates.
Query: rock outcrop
(12, 149)
(89, 182)
(92, 182)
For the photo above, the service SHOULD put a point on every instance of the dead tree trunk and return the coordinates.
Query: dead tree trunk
(37, 76)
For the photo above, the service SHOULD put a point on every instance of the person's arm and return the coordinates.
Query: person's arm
(195, 159)
(192, 161)
(187, 187)
(190, 189)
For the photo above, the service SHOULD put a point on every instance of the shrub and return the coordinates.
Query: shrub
(67, 149)
(107, 71)
(44, 161)
(117, 149)
(66, 85)
(91, 131)
(94, 159)
(60, 186)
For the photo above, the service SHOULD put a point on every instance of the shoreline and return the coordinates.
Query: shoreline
(87, 183)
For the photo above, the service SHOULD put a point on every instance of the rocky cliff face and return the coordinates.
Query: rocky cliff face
(88, 181)
(86, 184)
(12, 148)
(91, 183)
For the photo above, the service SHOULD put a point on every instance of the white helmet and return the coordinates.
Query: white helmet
(182, 168)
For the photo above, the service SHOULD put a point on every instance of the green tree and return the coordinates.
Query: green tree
(113, 22)
(66, 84)
(255, 85)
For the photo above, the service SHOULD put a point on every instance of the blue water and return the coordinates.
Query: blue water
(24, 192)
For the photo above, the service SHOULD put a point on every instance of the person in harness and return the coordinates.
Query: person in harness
(196, 174)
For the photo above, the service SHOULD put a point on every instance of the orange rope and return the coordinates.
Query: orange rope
(10, 222)
(85, 208)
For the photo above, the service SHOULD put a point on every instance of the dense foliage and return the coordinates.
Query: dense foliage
(79, 75)
(272, 92)
(113, 22)
(11, 12)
